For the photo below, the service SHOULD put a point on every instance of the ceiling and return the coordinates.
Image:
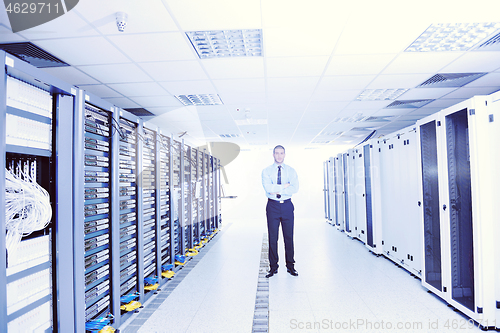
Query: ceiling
(318, 57)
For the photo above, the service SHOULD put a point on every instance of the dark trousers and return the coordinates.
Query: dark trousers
(280, 213)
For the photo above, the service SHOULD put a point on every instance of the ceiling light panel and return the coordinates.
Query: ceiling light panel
(206, 99)
(227, 43)
(380, 94)
(452, 37)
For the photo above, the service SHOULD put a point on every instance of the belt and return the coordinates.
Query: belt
(280, 201)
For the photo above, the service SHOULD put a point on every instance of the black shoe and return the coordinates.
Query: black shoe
(271, 273)
(292, 271)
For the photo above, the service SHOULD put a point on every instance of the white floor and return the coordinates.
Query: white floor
(340, 287)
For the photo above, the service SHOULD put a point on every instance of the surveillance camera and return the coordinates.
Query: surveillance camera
(121, 21)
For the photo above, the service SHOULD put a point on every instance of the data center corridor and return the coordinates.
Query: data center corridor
(341, 287)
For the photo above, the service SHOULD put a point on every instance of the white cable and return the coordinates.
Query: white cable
(27, 208)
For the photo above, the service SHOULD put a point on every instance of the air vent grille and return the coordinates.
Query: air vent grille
(492, 44)
(409, 104)
(379, 119)
(229, 135)
(140, 112)
(33, 55)
(450, 80)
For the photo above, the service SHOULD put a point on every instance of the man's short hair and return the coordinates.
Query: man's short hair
(278, 146)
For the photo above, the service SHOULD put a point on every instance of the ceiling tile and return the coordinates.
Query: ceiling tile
(116, 73)
(467, 92)
(370, 105)
(189, 87)
(234, 68)
(326, 106)
(425, 93)
(67, 25)
(83, 51)
(139, 89)
(216, 14)
(345, 82)
(421, 62)
(122, 102)
(488, 80)
(474, 62)
(152, 17)
(174, 70)
(336, 95)
(247, 98)
(283, 123)
(275, 84)
(425, 111)
(158, 111)
(151, 101)
(100, 90)
(295, 66)
(71, 75)
(213, 112)
(392, 112)
(444, 103)
(292, 96)
(6, 34)
(397, 81)
(358, 64)
(241, 85)
(221, 127)
(298, 42)
(366, 31)
(155, 47)
(315, 117)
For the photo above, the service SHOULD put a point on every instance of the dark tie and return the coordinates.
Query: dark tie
(279, 180)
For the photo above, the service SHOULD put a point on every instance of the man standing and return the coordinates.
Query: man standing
(280, 182)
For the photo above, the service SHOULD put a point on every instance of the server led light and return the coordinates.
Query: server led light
(227, 43)
(452, 37)
(380, 94)
(206, 99)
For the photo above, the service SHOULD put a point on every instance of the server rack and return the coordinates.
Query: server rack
(359, 195)
(206, 191)
(36, 113)
(201, 197)
(187, 189)
(218, 195)
(166, 230)
(150, 214)
(211, 193)
(456, 174)
(177, 196)
(128, 249)
(325, 190)
(331, 191)
(93, 196)
(350, 193)
(398, 192)
(368, 170)
(195, 169)
(339, 192)
(373, 197)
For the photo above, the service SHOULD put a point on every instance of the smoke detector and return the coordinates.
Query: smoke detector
(121, 21)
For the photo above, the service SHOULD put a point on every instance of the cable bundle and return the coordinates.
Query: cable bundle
(27, 208)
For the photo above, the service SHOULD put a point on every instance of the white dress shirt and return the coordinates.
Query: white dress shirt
(270, 181)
